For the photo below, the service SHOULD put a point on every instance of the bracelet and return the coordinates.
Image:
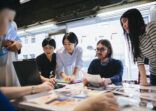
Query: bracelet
(33, 90)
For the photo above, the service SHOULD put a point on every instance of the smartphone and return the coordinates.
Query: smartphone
(57, 86)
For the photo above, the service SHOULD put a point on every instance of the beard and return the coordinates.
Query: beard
(100, 56)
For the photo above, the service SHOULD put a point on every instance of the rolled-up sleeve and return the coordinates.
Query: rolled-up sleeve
(79, 61)
(12, 34)
(140, 60)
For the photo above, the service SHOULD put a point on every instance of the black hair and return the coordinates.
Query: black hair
(49, 41)
(9, 4)
(136, 27)
(71, 37)
(107, 44)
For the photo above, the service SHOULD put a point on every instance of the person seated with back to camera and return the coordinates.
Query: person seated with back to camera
(111, 70)
(46, 62)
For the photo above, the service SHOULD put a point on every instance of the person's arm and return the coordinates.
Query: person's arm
(79, 61)
(75, 71)
(143, 78)
(63, 75)
(59, 66)
(4, 23)
(52, 80)
(44, 79)
(151, 31)
(102, 102)
(117, 78)
(16, 92)
(15, 46)
(91, 68)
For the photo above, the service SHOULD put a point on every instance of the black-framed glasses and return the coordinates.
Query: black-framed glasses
(100, 49)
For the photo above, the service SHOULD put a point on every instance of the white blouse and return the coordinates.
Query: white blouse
(66, 62)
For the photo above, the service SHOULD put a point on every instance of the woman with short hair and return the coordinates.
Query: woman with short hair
(69, 58)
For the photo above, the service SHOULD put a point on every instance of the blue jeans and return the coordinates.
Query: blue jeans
(153, 80)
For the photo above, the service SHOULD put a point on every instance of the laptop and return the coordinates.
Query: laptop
(27, 72)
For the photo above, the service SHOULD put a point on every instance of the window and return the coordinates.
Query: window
(26, 40)
(25, 56)
(33, 40)
(32, 56)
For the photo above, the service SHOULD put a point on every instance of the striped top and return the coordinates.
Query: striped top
(148, 47)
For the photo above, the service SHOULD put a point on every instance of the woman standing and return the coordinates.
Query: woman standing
(69, 58)
(142, 39)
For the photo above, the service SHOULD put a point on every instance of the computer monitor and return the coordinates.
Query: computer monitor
(27, 72)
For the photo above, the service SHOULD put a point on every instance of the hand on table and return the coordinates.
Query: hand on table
(51, 80)
(46, 86)
(105, 82)
(70, 79)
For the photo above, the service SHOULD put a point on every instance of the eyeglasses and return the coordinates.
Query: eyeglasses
(100, 49)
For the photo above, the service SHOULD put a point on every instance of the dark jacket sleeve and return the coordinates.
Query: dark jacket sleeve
(117, 78)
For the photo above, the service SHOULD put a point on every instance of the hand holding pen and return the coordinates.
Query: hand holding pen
(52, 78)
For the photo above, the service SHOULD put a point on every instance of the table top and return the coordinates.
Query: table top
(129, 96)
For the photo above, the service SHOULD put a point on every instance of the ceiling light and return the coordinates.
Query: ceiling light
(24, 1)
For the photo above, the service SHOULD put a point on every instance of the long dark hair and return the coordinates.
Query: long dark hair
(136, 27)
(107, 44)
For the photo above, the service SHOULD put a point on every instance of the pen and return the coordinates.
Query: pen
(51, 74)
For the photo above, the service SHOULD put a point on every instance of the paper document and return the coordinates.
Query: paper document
(94, 80)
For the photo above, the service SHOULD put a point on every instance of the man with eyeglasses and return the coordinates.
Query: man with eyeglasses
(111, 70)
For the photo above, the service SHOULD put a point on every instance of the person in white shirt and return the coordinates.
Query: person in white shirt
(69, 58)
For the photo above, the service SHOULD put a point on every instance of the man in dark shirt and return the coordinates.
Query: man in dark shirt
(47, 61)
(111, 70)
